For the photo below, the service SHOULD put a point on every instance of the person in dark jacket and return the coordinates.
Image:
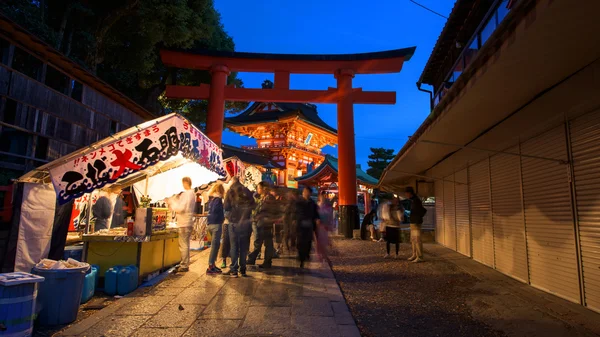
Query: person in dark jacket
(368, 225)
(238, 207)
(417, 212)
(265, 215)
(102, 210)
(307, 217)
(216, 217)
(289, 221)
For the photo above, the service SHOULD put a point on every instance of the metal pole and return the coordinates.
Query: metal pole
(574, 214)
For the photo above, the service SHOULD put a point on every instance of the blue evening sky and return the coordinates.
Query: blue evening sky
(337, 27)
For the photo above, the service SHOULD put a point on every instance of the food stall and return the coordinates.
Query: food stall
(146, 162)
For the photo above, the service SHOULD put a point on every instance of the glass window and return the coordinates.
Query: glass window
(10, 112)
(113, 128)
(4, 47)
(64, 130)
(502, 11)
(41, 148)
(458, 69)
(15, 142)
(50, 127)
(26, 64)
(76, 90)
(471, 52)
(488, 29)
(79, 136)
(57, 80)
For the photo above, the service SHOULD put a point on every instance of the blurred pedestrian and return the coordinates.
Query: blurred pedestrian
(266, 214)
(417, 212)
(391, 216)
(307, 218)
(225, 244)
(238, 209)
(368, 226)
(324, 227)
(289, 221)
(216, 218)
(184, 204)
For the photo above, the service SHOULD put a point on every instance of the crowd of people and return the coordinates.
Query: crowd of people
(392, 216)
(274, 220)
(291, 221)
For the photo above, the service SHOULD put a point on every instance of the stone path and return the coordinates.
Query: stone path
(284, 301)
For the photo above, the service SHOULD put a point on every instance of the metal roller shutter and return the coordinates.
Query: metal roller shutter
(463, 230)
(585, 147)
(548, 216)
(439, 211)
(449, 213)
(509, 229)
(482, 231)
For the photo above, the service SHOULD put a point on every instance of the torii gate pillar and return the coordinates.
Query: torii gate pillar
(349, 218)
(216, 103)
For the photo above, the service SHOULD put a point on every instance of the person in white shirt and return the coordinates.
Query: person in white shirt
(184, 205)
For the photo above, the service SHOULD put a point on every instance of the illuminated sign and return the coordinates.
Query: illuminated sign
(308, 138)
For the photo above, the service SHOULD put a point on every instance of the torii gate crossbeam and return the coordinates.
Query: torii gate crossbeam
(343, 67)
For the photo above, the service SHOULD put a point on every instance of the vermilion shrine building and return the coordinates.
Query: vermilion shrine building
(342, 67)
(290, 134)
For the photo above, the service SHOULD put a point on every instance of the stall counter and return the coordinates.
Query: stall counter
(151, 255)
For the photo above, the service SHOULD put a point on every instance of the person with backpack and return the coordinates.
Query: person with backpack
(417, 212)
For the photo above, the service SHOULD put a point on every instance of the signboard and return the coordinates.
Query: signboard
(137, 150)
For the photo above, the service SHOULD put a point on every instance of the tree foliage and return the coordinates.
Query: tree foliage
(120, 40)
(380, 158)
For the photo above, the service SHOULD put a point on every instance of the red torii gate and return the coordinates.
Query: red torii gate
(342, 66)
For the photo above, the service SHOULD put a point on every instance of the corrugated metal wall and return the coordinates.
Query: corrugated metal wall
(439, 211)
(463, 228)
(585, 149)
(449, 213)
(518, 214)
(509, 229)
(549, 217)
(482, 230)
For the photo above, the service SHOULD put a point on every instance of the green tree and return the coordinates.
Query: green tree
(267, 84)
(380, 158)
(120, 40)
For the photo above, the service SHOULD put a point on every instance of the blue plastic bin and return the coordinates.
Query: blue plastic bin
(18, 293)
(89, 284)
(110, 280)
(74, 252)
(127, 280)
(60, 294)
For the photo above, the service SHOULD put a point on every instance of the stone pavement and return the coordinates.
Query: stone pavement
(283, 301)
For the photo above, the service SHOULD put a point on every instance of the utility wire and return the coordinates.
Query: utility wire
(426, 8)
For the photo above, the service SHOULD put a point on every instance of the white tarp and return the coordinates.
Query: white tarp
(168, 183)
(35, 228)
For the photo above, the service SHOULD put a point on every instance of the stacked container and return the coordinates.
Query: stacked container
(18, 293)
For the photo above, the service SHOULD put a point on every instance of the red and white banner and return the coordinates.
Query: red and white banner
(137, 150)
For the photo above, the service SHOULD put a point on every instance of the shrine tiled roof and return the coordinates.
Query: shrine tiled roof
(332, 162)
(247, 156)
(306, 112)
